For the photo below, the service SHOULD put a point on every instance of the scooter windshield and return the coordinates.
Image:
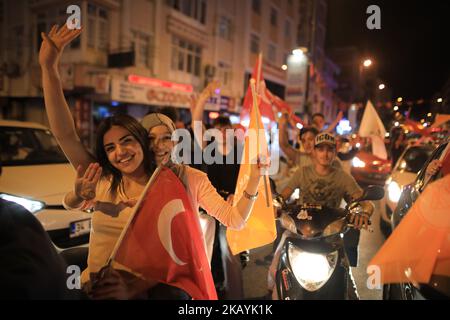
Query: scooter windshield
(320, 223)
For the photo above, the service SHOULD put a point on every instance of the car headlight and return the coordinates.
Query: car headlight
(358, 163)
(403, 164)
(311, 270)
(31, 205)
(394, 191)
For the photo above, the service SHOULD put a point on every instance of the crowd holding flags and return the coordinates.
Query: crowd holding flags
(163, 240)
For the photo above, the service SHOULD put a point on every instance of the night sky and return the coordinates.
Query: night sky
(411, 50)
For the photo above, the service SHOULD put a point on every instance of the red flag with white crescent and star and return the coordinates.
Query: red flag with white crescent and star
(164, 241)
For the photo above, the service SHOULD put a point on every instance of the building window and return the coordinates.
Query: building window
(19, 37)
(91, 25)
(224, 73)
(1, 11)
(196, 9)
(97, 26)
(141, 45)
(225, 28)
(272, 53)
(287, 29)
(254, 43)
(273, 17)
(256, 6)
(186, 56)
(102, 29)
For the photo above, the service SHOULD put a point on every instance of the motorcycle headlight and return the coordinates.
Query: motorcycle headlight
(394, 191)
(358, 163)
(311, 270)
(31, 205)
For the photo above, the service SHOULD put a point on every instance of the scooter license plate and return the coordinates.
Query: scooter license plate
(79, 228)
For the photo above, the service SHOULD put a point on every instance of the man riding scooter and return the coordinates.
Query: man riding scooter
(325, 185)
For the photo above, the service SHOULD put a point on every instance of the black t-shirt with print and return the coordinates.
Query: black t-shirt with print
(224, 175)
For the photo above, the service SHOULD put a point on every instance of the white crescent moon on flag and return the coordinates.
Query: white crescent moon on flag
(166, 216)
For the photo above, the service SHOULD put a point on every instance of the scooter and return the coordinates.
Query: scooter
(313, 264)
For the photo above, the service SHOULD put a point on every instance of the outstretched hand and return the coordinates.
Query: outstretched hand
(53, 44)
(85, 184)
(260, 168)
(210, 89)
(284, 119)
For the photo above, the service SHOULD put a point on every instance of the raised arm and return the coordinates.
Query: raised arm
(58, 112)
(198, 106)
(334, 123)
(287, 149)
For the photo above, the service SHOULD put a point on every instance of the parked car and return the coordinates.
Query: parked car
(404, 173)
(441, 284)
(368, 169)
(36, 175)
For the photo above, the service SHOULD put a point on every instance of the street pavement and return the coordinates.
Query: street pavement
(255, 274)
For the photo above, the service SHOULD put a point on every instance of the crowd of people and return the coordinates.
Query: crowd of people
(127, 152)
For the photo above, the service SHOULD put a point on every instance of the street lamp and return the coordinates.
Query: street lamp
(367, 63)
(439, 100)
(381, 86)
(364, 78)
(399, 99)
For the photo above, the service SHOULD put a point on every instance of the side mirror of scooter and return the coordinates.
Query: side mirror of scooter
(372, 193)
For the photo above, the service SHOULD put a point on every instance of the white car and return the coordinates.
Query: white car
(36, 175)
(403, 174)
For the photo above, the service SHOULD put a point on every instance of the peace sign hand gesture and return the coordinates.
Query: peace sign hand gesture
(53, 44)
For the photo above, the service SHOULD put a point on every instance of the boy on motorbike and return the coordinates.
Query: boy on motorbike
(322, 184)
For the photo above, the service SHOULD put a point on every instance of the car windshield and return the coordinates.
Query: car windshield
(27, 146)
(414, 159)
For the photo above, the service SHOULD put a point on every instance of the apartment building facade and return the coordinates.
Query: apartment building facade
(137, 55)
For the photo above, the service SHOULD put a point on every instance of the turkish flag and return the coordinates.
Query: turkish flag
(283, 106)
(264, 104)
(164, 241)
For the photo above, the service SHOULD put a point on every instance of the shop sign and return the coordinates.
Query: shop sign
(143, 94)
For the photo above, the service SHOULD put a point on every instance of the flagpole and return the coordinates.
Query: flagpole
(258, 73)
(136, 208)
(255, 105)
